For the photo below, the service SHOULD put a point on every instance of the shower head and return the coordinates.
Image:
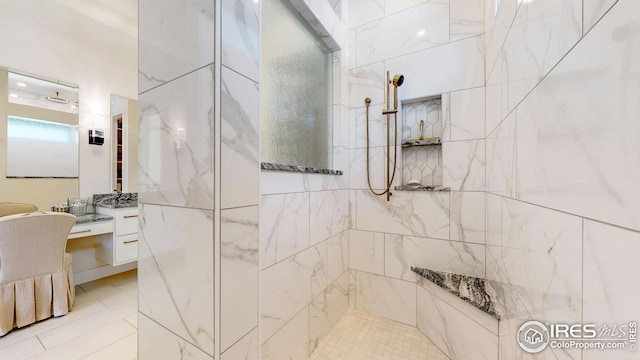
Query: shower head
(398, 80)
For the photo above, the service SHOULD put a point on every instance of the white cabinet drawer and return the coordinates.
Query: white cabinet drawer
(90, 229)
(126, 221)
(126, 249)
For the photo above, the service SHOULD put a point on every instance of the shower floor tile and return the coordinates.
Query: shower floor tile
(359, 335)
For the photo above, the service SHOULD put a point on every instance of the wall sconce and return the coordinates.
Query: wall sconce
(96, 137)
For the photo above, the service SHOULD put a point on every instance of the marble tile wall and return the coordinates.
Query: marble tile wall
(304, 226)
(444, 85)
(199, 191)
(553, 198)
(539, 157)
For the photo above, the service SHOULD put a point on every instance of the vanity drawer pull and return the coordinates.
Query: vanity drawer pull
(130, 241)
(130, 216)
(80, 232)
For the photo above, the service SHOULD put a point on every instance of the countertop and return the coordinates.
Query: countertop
(89, 218)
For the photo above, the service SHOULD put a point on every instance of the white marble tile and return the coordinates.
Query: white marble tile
(497, 26)
(493, 103)
(367, 81)
(290, 342)
(403, 252)
(156, 342)
(559, 165)
(458, 336)
(23, 349)
(418, 213)
(175, 282)
(241, 37)
(326, 309)
(403, 32)
(394, 6)
(352, 289)
(176, 142)
(330, 213)
(526, 226)
(377, 127)
(592, 11)
(282, 182)
(88, 343)
(445, 109)
(353, 198)
(366, 251)
(466, 18)
(468, 216)
(610, 294)
(321, 17)
(345, 136)
(126, 348)
(364, 11)
(538, 285)
(390, 298)
(540, 266)
(81, 309)
(501, 158)
(238, 274)
(467, 114)
(68, 332)
(460, 65)
(240, 138)
(337, 255)
(319, 271)
(464, 165)
(493, 228)
(542, 33)
(246, 348)
(288, 286)
(377, 168)
(175, 38)
(487, 321)
(284, 226)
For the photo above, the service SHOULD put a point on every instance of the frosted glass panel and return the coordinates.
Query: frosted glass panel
(37, 148)
(295, 90)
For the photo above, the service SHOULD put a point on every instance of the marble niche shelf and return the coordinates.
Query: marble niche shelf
(419, 187)
(434, 141)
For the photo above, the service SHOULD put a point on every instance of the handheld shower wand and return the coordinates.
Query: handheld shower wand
(390, 175)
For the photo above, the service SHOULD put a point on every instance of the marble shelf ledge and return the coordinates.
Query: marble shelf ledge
(421, 188)
(424, 142)
(473, 290)
(298, 168)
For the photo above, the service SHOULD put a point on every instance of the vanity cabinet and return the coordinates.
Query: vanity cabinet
(124, 247)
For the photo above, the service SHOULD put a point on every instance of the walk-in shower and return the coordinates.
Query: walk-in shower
(388, 111)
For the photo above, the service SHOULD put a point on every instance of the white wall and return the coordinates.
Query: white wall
(72, 42)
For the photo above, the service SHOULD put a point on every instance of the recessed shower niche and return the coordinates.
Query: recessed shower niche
(422, 124)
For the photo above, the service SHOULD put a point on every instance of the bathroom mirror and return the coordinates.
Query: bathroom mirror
(39, 132)
(124, 144)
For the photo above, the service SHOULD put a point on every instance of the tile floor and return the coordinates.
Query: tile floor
(102, 326)
(362, 336)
